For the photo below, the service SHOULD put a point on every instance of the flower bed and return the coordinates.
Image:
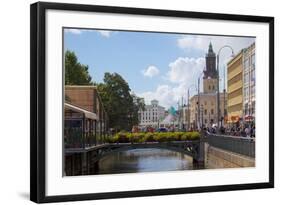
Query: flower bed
(127, 137)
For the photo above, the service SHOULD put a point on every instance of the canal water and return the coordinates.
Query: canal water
(144, 160)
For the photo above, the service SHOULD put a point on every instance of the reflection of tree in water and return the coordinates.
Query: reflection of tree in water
(144, 160)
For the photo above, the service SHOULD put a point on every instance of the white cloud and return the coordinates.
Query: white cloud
(151, 71)
(184, 70)
(105, 33)
(193, 42)
(183, 73)
(163, 93)
(201, 42)
(167, 95)
(74, 31)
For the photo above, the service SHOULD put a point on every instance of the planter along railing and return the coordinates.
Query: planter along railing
(126, 137)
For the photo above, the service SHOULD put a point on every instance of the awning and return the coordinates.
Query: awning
(88, 114)
(249, 118)
(233, 118)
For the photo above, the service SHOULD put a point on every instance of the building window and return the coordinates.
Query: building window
(253, 77)
(253, 61)
(205, 111)
(246, 78)
(246, 63)
(246, 92)
(253, 90)
(212, 111)
(246, 109)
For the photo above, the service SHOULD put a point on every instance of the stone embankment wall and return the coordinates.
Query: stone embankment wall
(219, 158)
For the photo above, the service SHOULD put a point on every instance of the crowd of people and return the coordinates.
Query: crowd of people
(242, 130)
(238, 129)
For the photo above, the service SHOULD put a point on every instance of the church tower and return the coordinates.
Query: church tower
(210, 73)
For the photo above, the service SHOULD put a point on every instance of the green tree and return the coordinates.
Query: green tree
(120, 105)
(138, 104)
(75, 72)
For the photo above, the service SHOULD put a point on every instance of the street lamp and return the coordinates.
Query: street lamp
(188, 105)
(218, 80)
(202, 115)
(198, 106)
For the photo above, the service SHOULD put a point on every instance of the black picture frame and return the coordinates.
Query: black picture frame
(38, 100)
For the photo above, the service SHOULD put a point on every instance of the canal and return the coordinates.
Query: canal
(144, 160)
(232, 153)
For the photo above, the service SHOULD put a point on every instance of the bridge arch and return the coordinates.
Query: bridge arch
(190, 148)
(88, 158)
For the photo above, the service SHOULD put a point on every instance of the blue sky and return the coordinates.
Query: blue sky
(156, 65)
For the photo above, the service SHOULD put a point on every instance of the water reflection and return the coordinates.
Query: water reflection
(144, 160)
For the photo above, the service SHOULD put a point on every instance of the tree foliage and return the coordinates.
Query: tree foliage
(75, 72)
(121, 107)
(138, 104)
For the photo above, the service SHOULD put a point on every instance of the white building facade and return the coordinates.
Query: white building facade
(249, 84)
(152, 115)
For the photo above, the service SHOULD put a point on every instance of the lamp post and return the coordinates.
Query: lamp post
(188, 105)
(178, 114)
(202, 116)
(218, 81)
(198, 106)
(224, 92)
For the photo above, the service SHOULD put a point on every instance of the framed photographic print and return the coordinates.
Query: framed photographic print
(129, 102)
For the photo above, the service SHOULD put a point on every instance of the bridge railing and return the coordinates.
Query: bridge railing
(236, 144)
(75, 138)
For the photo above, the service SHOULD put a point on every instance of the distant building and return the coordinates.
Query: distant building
(183, 121)
(152, 115)
(241, 86)
(207, 114)
(249, 84)
(235, 88)
(203, 108)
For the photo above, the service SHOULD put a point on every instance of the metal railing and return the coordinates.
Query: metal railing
(236, 144)
(74, 138)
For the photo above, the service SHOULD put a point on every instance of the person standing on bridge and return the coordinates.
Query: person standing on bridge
(248, 131)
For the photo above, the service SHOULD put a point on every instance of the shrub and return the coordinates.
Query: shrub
(136, 137)
(122, 137)
(149, 137)
(161, 137)
(178, 135)
(194, 136)
(169, 136)
(113, 139)
(126, 137)
(186, 136)
(183, 137)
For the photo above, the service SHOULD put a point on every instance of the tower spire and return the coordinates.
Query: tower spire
(210, 48)
(210, 73)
